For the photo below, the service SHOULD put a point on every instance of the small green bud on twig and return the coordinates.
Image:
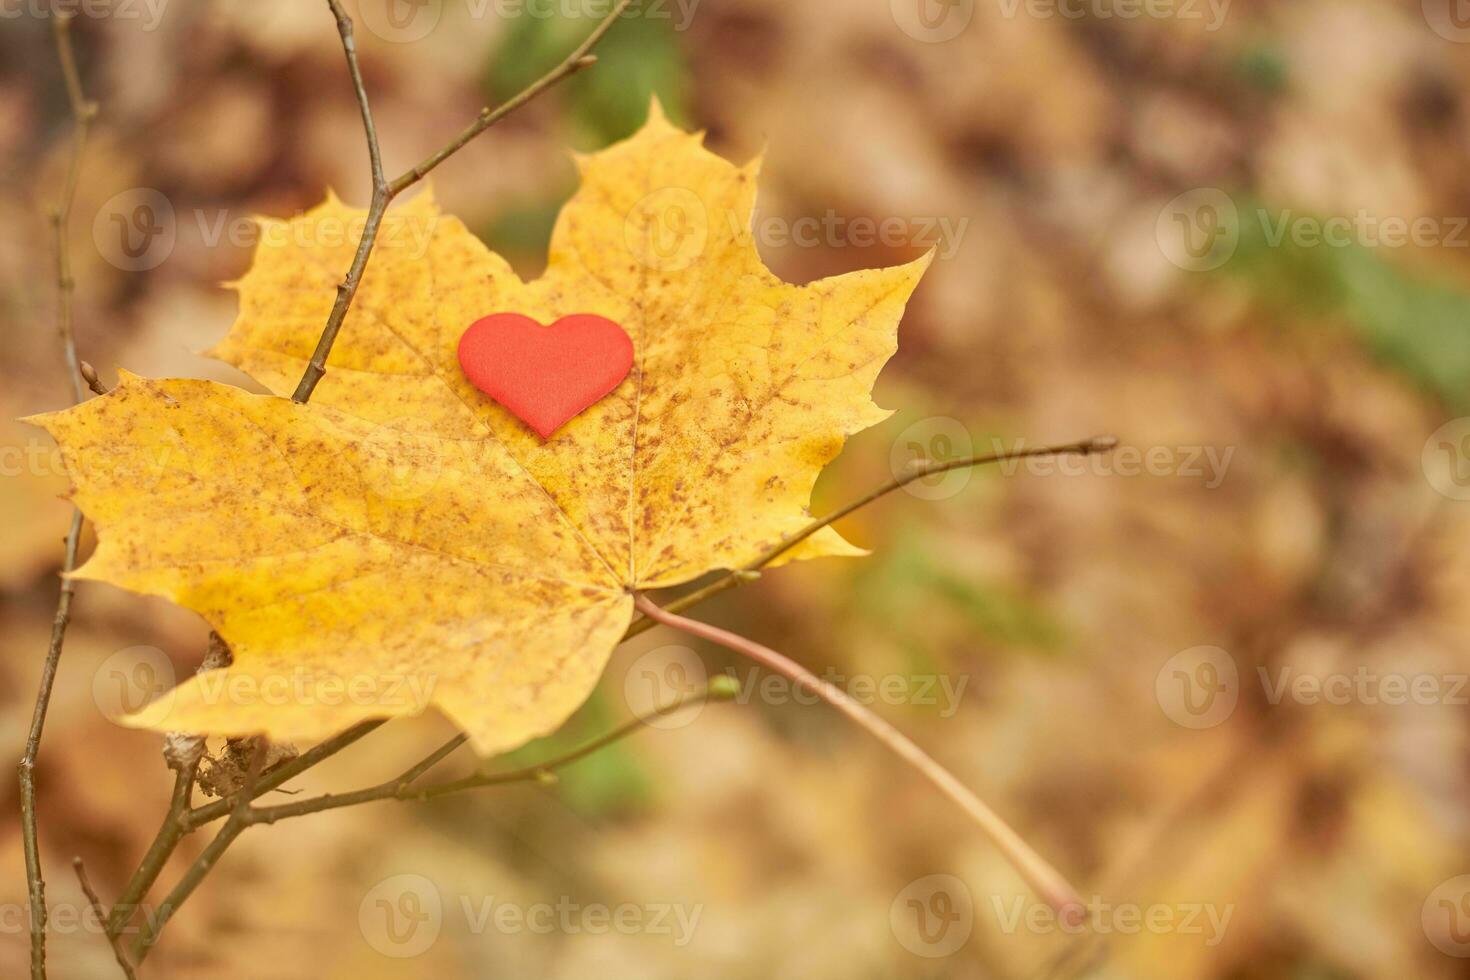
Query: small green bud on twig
(723, 687)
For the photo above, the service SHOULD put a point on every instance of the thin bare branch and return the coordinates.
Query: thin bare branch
(243, 815)
(82, 113)
(162, 848)
(1045, 880)
(751, 570)
(213, 811)
(238, 807)
(180, 821)
(335, 801)
(204, 863)
(403, 787)
(349, 48)
(347, 288)
(575, 62)
(280, 775)
(183, 752)
(385, 191)
(101, 913)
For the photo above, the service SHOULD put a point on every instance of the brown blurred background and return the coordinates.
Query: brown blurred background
(1219, 679)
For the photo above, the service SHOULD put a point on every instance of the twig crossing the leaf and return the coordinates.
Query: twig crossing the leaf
(384, 190)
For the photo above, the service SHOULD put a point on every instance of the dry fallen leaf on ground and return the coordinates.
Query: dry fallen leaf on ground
(403, 540)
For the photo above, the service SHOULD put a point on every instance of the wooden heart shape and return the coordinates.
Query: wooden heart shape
(545, 375)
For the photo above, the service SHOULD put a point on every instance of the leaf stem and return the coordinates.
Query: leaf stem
(384, 191)
(82, 114)
(750, 570)
(1045, 880)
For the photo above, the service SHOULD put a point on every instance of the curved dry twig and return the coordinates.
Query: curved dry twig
(1044, 879)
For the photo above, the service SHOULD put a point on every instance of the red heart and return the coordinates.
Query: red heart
(545, 375)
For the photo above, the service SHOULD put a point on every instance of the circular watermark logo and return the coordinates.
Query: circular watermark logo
(1199, 230)
(1198, 687)
(933, 916)
(1446, 459)
(661, 676)
(938, 439)
(401, 916)
(1450, 19)
(135, 229)
(668, 229)
(400, 21)
(932, 21)
(1446, 916)
(136, 683)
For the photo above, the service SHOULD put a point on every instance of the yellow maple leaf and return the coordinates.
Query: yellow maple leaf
(402, 540)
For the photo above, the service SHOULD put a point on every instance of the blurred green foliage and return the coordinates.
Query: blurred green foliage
(608, 782)
(1263, 67)
(894, 585)
(640, 57)
(525, 230)
(1416, 323)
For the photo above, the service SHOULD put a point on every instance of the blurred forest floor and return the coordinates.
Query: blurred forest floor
(1049, 148)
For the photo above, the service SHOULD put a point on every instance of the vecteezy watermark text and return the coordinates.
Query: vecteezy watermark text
(138, 229)
(1021, 914)
(1201, 229)
(1209, 463)
(1201, 686)
(148, 13)
(1363, 686)
(832, 230)
(406, 21)
(1211, 12)
(136, 684)
(402, 916)
(669, 229)
(941, 691)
